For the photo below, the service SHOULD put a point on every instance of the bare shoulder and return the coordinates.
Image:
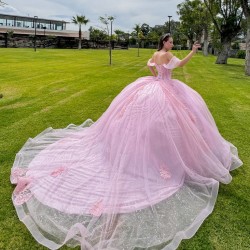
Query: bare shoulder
(154, 56)
(168, 55)
(160, 57)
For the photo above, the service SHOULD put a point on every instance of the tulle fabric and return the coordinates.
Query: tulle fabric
(145, 174)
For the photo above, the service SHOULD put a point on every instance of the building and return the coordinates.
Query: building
(21, 31)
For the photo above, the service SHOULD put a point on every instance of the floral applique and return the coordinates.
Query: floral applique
(193, 118)
(122, 112)
(16, 173)
(21, 193)
(22, 197)
(164, 173)
(22, 184)
(129, 101)
(97, 208)
(58, 171)
(62, 141)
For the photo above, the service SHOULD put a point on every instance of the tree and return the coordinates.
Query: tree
(245, 4)
(80, 20)
(137, 29)
(97, 35)
(194, 21)
(2, 3)
(108, 20)
(226, 16)
(145, 28)
(153, 37)
(8, 37)
(119, 34)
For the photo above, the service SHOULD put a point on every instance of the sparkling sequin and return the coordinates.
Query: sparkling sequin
(165, 174)
(22, 197)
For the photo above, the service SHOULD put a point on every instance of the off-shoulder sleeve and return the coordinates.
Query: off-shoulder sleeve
(150, 63)
(173, 63)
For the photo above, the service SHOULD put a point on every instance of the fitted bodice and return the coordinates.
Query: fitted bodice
(163, 73)
(165, 70)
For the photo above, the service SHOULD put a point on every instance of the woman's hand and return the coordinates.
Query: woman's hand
(196, 46)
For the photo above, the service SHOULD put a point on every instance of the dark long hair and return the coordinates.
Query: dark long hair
(163, 38)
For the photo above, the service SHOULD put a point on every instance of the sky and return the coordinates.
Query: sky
(127, 13)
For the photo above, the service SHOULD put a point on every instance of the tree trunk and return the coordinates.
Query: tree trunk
(223, 55)
(191, 42)
(80, 37)
(138, 46)
(247, 65)
(205, 45)
(6, 40)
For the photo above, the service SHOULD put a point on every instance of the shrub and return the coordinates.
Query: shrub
(236, 45)
(241, 54)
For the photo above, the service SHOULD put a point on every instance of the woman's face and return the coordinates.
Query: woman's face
(169, 44)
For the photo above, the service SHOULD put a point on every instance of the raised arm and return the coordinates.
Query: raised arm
(190, 55)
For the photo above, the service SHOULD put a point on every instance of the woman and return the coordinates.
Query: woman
(145, 174)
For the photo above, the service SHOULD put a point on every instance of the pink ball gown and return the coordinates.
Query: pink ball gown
(145, 174)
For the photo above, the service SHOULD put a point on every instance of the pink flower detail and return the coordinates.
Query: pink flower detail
(164, 173)
(22, 184)
(16, 173)
(22, 197)
(122, 112)
(58, 171)
(97, 209)
(193, 118)
(62, 141)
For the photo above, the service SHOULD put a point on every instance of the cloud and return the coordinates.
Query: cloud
(9, 10)
(127, 13)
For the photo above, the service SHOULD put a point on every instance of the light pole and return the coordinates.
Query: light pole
(169, 30)
(35, 21)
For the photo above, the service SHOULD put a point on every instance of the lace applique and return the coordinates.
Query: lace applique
(123, 110)
(21, 193)
(22, 197)
(58, 171)
(22, 184)
(16, 173)
(193, 118)
(97, 209)
(62, 141)
(164, 173)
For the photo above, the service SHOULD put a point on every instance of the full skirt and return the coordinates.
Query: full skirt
(145, 174)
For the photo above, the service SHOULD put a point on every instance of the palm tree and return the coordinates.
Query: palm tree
(108, 20)
(137, 29)
(79, 20)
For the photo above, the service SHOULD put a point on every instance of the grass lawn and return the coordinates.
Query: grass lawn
(53, 88)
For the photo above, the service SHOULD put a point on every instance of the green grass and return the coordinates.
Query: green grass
(58, 87)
